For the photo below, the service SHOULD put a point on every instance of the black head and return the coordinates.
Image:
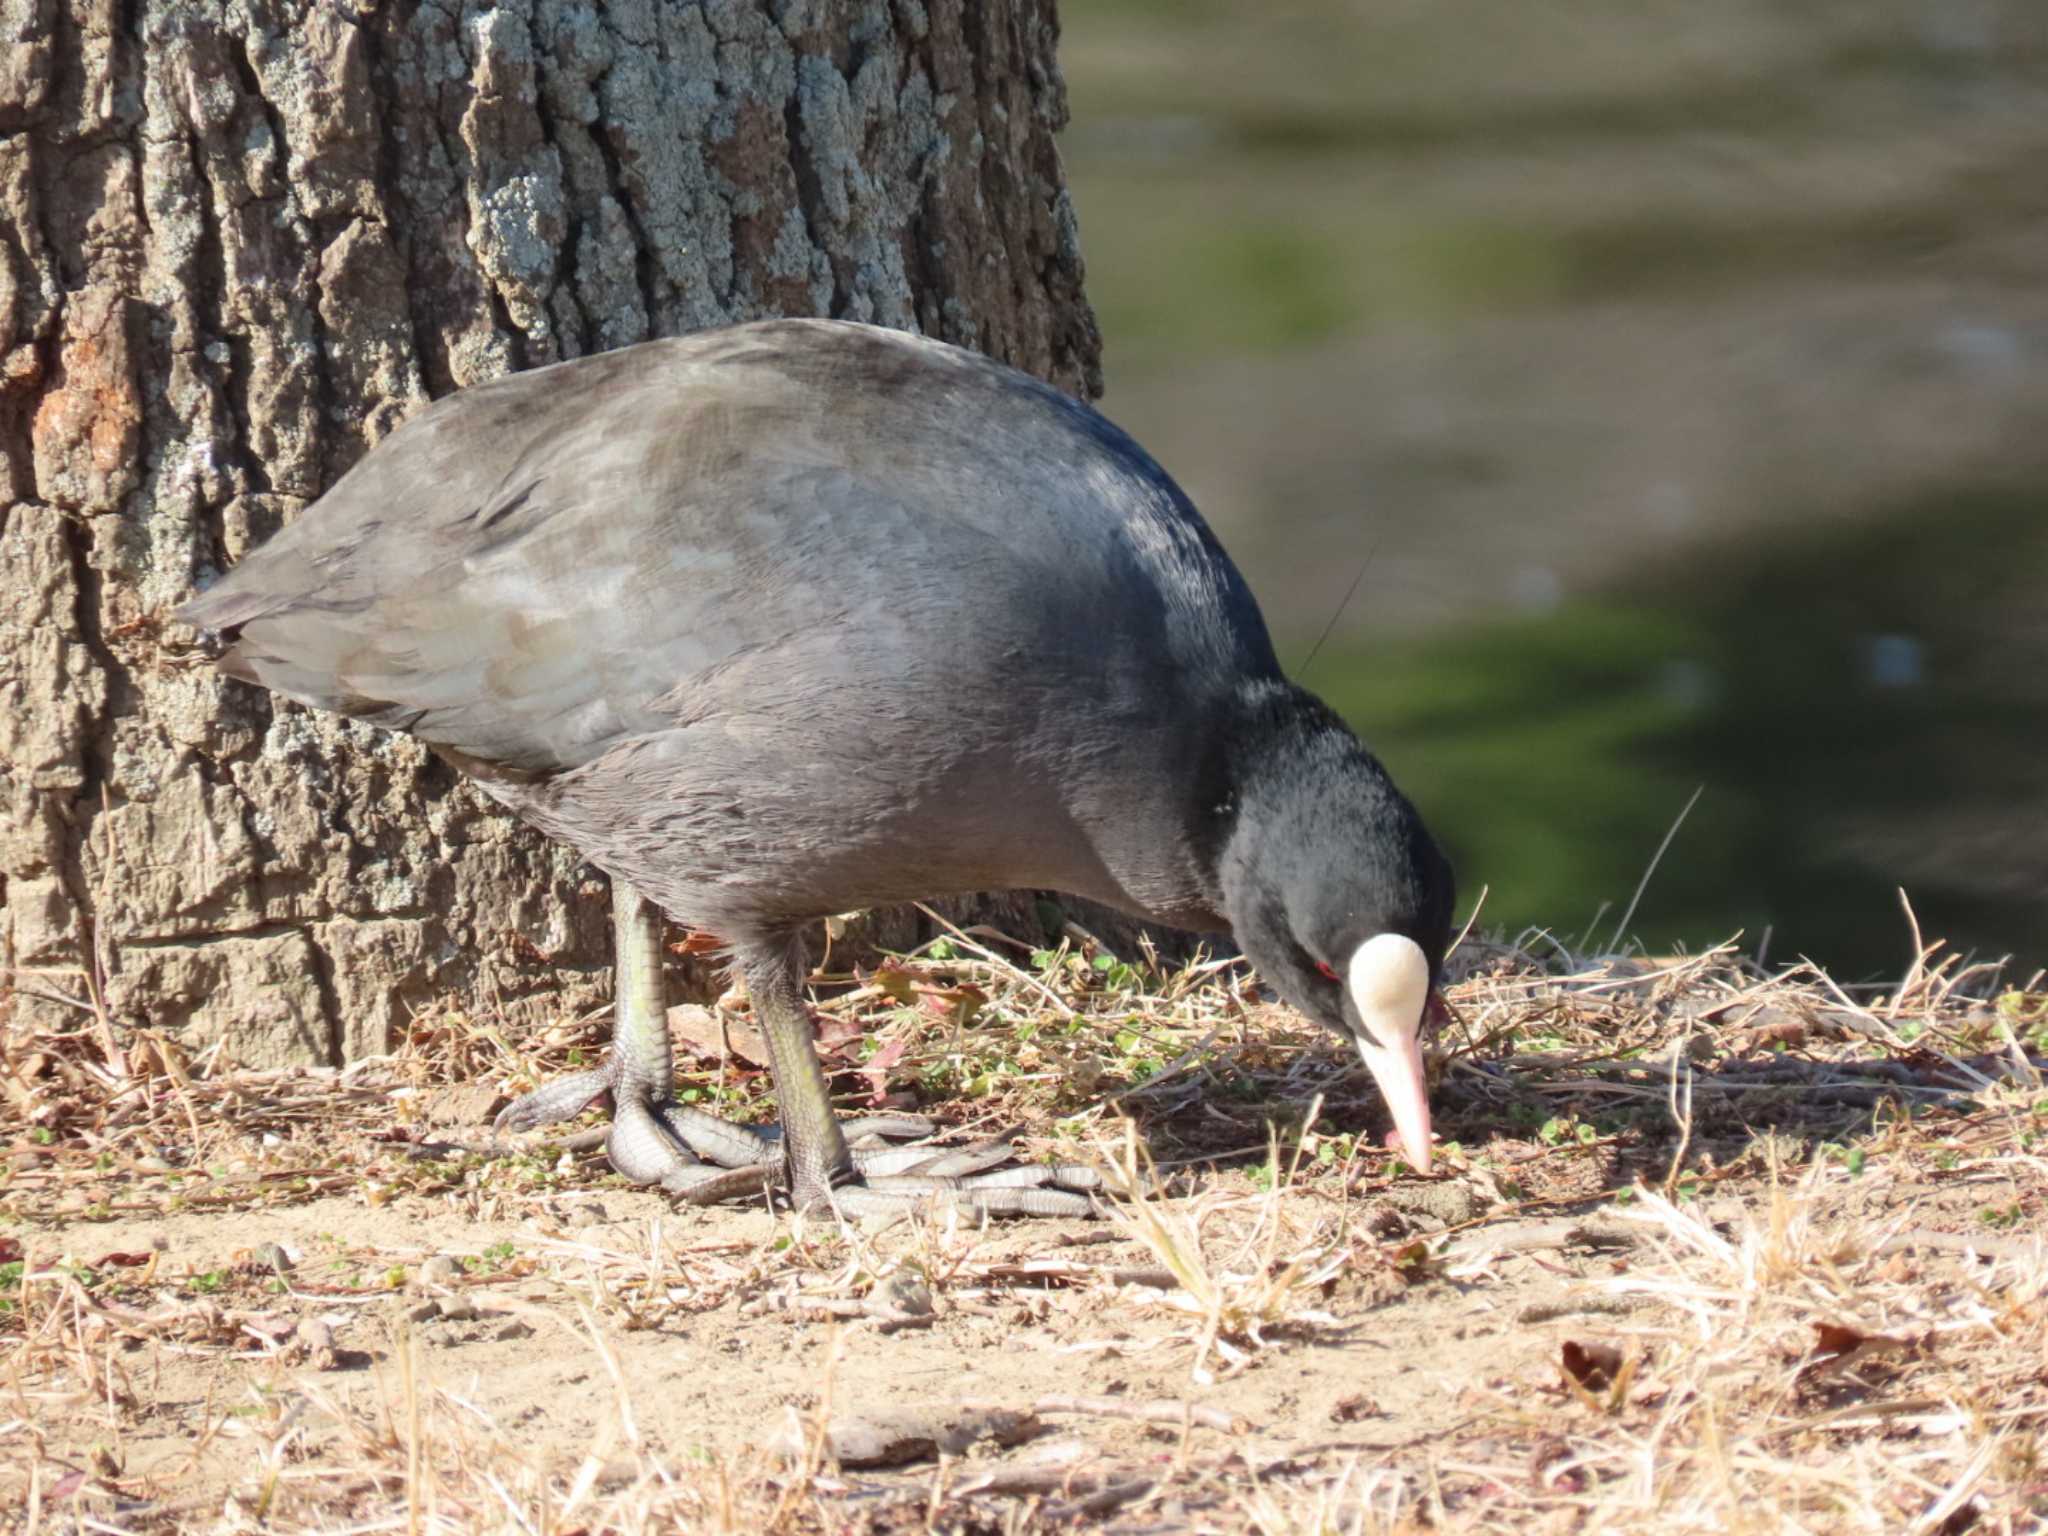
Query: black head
(1338, 894)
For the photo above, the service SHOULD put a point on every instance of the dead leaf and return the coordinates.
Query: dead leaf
(1352, 1409)
(1414, 1261)
(1837, 1346)
(1593, 1366)
(896, 982)
(1897, 1269)
(709, 1036)
(957, 1005)
(1960, 1519)
(459, 1104)
(1835, 1339)
(836, 1036)
(1770, 1027)
(876, 1069)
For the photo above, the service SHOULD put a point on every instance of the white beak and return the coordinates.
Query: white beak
(1389, 979)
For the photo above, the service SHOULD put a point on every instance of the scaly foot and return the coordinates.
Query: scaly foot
(822, 1166)
(703, 1159)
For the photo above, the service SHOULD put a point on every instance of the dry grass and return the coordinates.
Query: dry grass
(1781, 1236)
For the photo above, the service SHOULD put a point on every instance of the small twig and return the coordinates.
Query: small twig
(996, 960)
(1916, 971)
(2032, 1249)
(1656, 858)
(1148, 1088)
(1681, 1115)
(628, 1425)
(1102, 1501)
(888, 1319)
(1154, 1411)
(1465, 931)
(1041, 1480)
(1301, 672)
(55, 997)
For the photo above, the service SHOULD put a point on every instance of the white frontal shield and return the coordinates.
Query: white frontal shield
(1389, 982)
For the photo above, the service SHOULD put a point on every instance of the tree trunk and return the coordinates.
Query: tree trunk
(243, 240)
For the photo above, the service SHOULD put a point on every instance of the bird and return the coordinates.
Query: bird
(796, 617)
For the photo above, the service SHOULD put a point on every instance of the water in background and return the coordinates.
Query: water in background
(1677, 374)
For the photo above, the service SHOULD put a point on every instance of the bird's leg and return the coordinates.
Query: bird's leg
(825, 1174)
(814, 1147)
(703, 1159)
(654, 1139)
(651, 1140)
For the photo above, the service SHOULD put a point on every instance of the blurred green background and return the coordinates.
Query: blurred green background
(1678, 376)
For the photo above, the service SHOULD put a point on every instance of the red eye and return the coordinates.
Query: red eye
(1328, 970)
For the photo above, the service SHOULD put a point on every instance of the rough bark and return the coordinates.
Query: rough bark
(240, 242)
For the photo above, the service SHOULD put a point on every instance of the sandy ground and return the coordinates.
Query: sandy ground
(1822, 1307)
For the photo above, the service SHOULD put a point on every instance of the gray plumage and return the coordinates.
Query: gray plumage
(778, 621)
(798, 617)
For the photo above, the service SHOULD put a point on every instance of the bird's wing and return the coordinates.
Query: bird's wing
(534, 569)
(533, 642)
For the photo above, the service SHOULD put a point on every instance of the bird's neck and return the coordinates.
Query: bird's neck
(1251, 776)
(1285, 755)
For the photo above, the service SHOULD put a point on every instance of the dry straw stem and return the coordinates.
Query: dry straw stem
(1240, 1296)
(1815, 1206)
(1801, 1368)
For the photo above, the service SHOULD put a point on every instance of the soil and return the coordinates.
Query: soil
(562, 1360)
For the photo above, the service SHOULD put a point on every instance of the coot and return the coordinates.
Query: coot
(798, 617)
